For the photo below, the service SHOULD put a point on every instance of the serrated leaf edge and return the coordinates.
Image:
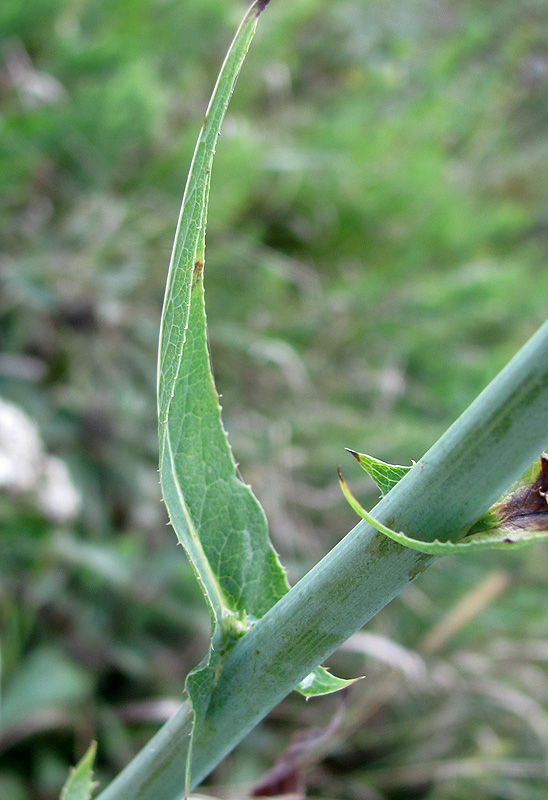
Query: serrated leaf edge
(507, 536)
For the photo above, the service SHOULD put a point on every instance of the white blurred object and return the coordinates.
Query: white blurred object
(26, 469)
(56, 495)
(35, 88)
(389, 652)
(20, 450)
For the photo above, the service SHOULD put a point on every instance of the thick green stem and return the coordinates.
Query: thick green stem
(473, 463)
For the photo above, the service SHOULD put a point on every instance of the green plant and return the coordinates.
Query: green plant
(220, 523)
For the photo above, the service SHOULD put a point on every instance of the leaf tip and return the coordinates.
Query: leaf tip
(344, 487)
(353, 453)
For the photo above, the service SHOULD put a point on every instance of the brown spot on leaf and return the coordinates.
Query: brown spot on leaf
(261, 5)
(198, 266)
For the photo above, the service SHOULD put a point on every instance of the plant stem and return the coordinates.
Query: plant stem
(485, 450)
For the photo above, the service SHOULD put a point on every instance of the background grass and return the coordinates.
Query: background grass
(376, 253)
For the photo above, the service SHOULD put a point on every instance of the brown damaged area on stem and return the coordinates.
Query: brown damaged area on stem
(528, 506)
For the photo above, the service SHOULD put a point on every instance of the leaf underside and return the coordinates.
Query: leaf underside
(518, 520)
(216, 517)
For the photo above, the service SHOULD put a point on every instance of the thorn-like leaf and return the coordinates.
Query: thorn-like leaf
(519, 520)
(386, 476)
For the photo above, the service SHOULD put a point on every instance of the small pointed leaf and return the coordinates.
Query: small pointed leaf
(80, 784)
(386, 476)
(322, 682)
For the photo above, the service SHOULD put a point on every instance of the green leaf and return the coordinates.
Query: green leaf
(386, 476)
(321, 681)
(80, 784)
(216, 517)
(520, 519)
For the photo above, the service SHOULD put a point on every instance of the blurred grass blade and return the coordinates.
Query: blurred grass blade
(80, 784)
(28, 694)
(215, 515)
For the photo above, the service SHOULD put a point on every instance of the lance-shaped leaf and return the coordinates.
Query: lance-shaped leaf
(216, 517)
(520, 519)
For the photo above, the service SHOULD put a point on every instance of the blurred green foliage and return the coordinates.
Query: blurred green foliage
(376, 252)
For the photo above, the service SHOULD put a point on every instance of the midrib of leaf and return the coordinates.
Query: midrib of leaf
(206, 573)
